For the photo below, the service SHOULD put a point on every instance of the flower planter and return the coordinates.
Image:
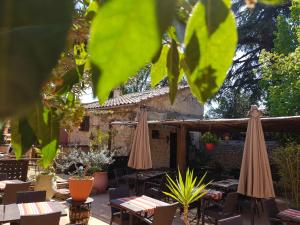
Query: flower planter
(46, 182)
(80, 188)
(100, 182)
(209, 147)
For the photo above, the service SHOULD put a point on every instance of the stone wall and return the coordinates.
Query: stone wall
(185, 106)
(229, 154)
(160, 148)
(122, 139)
(160, 108)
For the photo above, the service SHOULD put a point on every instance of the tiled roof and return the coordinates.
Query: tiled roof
(130, 99)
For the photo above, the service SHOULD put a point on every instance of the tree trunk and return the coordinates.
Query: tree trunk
(186, 215)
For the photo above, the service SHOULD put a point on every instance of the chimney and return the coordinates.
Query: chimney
(117, 92)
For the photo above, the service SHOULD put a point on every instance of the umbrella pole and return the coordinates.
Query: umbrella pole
(256, 205)
(252, 211)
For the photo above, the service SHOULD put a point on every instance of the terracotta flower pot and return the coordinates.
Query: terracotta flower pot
(100, 181)
(80, 188)
(209, 147)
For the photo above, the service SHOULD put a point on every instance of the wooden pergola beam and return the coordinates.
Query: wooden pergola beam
(181, 148)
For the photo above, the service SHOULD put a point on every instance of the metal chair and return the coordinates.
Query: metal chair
(117, 215)
(163, 215)
(3, 176)
(272, 211)
(119, 173)
(45, 219)
(10, 192)
(235, 220)
(15, 169)
(31, 196)
(155, 187)
(218, 212)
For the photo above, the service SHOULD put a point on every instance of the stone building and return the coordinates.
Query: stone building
(163, 138)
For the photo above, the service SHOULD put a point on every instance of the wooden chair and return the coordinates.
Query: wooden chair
(218, 212)
(235, 220)
(45, 219)
(31, 196)
(117, 215)
(163, 215)
(272, 210)
(11, 190)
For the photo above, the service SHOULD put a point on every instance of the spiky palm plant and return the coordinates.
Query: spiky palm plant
(186, 191)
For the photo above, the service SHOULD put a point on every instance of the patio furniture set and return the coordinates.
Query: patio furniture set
(220, 205)
(21, 205)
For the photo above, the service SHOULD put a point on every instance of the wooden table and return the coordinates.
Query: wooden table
(290, 216)
(137, 205)
(4, 182)
(13, 212)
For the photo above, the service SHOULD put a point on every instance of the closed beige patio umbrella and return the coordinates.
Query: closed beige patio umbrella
(255, 176)
(140, 155)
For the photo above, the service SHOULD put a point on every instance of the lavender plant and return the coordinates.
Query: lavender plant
(76, 163)
(100, 159)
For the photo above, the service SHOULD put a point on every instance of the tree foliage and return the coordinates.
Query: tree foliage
(108, 41)
(231, 105)
(281, 68)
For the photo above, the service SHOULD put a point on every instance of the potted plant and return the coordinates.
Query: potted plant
(186, 190)
(80, 185)
(100, 159)
(46, 180)
(210, 140)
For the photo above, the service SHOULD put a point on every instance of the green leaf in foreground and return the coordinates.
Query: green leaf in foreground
(125, 35)
(48, 154)
(165, 10)
(272, 2)
(215, 50)
(70, 78)
(33, 35)
(216, 12)
(23, 136)
(173, 70)
(159, 69)
(40, 128)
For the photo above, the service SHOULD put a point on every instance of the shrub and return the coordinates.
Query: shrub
(287, 159)
(209, 137)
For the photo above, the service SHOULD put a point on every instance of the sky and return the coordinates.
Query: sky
(88, 97)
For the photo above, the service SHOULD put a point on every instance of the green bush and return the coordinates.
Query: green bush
(287, 159)
(209, 137)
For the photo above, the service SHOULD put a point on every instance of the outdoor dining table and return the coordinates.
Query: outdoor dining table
(290, 216)
(13, 212)
(140, 178)
(137, 205)
(4, 182)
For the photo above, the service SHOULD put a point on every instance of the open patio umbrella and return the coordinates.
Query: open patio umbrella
(255, 176)
(140, 155)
